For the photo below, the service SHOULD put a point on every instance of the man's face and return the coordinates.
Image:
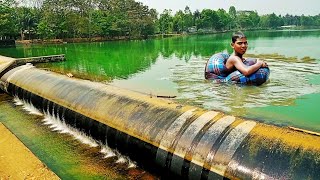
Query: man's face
(240, 46)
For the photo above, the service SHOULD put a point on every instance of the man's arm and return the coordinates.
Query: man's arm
(245, 70)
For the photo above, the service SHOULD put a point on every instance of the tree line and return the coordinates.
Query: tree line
(61, 19)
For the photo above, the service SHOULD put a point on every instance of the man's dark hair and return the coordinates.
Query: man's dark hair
(237, 35)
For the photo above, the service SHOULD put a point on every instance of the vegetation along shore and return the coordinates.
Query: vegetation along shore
(98, 20)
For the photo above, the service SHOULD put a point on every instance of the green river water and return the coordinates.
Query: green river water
(174, 67)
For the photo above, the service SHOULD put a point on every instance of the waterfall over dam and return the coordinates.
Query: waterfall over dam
(170, 139)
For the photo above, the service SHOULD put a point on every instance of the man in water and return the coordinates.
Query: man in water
(233, 68)
(239, 45)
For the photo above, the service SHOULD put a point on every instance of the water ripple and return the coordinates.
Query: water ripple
(288, 80)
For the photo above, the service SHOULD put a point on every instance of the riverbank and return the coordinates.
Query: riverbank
(93, 39)
(117, 38)
(126, 38)
(17, 161)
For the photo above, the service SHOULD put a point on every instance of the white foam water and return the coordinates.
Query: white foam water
(17, 101)
(131, 164)
(31, 109)
(27, 106)
(121, 160)
(58, 125)
(108, 152)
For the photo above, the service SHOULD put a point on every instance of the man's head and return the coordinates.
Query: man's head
(237, 35)
(239, 43)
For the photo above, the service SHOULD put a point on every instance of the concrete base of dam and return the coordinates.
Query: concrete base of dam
(17, 161)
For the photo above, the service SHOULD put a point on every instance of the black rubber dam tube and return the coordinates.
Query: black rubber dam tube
(168, 138)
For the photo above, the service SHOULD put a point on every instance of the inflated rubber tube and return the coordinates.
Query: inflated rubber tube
(171, 139)
(216, 70)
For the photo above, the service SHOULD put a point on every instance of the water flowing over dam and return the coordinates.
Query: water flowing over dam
(162, 136)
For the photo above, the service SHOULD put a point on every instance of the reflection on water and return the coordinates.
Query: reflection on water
(174, 67)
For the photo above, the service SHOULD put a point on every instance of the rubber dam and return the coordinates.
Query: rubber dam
(167, 138)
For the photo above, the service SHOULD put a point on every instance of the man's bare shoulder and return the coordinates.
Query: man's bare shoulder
(234, 58)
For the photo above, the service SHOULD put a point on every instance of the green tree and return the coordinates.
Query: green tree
(188, 18)
(112, 18)
(45, 31)
(244, 21)
(124, 18)
(255, 19)
(317, 20)
(166, 21)
(28, 21)
(208, 19)
(196, 18)
(264, 21)
(140, 19)
(8, 20)
(178, 22)
(224, 19)
(306, 20)
(271, 21)
(233, 15)
(274, 21)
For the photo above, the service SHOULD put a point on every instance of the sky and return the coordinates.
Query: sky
(279, 7)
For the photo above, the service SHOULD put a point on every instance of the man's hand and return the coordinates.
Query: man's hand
(263, 63)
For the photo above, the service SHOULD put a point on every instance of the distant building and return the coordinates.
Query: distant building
(246, 12)
(288, 26)
(192, 29)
